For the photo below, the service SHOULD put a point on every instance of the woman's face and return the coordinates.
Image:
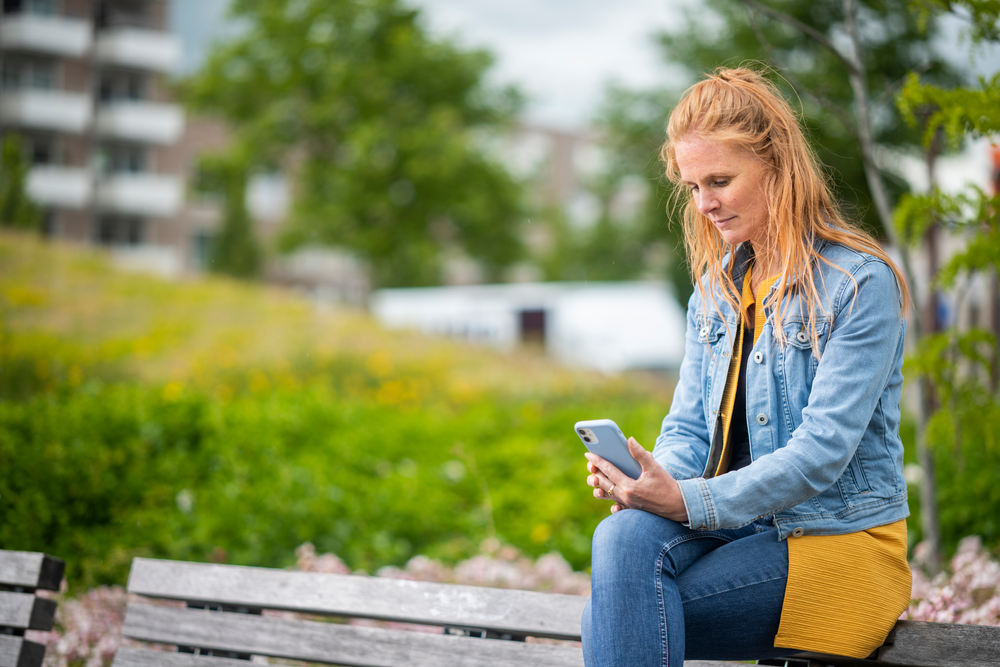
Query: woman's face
(727, 187)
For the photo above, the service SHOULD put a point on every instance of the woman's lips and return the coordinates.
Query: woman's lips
(723, 222)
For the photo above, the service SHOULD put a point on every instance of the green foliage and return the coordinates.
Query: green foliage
(16, 210)
(218, 420)
(381, 126)
(235, 250)
(633, 127)
(960, 365)
(960, 112)
(982, 16)
(374, 468)
(964, 434)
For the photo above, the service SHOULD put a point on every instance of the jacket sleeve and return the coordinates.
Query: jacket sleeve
(683, 444)
(861, 353)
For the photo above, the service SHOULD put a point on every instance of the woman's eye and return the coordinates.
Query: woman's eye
(721, 184)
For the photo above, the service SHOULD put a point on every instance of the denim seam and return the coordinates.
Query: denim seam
(658, 584)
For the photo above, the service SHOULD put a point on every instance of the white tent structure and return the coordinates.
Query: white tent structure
(609, 326)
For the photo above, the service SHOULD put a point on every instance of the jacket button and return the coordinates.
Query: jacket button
(798, 532)
(704, 332)
(802, 337)
(762, 419)
(758, 357)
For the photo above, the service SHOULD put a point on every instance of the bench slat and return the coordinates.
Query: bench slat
(941, 645)
(24, 610)
(335, 643)
(502, 610)
(19, 652)
(126, 656)
(31, 570)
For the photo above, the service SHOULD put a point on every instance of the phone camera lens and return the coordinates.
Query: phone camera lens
(580, 431)
(586, 439)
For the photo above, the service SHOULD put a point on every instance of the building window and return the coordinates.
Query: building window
(202, 246)
(116, 86)
(115, 230)
(40, 7)
(28, 73)
(115, 159)
(41, 150)
(123, 13)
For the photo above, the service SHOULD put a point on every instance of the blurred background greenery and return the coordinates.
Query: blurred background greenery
(219, 421)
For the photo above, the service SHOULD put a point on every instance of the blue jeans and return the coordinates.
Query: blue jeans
(662, 593)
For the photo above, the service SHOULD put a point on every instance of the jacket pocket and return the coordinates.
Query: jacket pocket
(800, 360)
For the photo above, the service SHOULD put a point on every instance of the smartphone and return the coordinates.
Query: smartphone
(604, 438)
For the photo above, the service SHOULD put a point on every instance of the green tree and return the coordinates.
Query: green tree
(633, 127)
(235, 251)
(16, 210)
(381, 127)
(959, 365)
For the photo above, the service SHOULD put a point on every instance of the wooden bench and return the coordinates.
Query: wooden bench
(229, 615)
(22, 573)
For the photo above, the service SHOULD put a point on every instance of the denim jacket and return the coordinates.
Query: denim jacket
(824, 433)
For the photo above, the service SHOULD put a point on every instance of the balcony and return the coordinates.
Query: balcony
(60, 187)
(53, 35)
(55, 110)
(143, 122)
(138, 48)
(145, 194)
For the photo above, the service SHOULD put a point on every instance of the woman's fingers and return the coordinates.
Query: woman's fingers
(606, 468)
(640, 454)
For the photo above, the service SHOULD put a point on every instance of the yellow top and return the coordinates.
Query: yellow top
(844, 592)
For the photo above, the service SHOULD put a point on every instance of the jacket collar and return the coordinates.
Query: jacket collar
(742, 254)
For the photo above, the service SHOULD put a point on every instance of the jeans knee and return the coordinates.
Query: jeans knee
(631, 538)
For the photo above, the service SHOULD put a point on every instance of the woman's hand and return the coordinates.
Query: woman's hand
(655, 491)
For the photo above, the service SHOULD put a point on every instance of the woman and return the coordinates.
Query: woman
(769, 517)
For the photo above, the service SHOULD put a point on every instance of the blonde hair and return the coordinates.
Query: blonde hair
(740, 107)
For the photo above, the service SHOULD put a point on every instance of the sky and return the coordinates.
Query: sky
(560, 54)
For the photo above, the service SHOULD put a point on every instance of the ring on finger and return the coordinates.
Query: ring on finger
(611, 491)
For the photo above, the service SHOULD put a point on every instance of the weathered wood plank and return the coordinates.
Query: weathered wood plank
(19, 652)
(138, 657)
(941, 645)
(334, 643)
(31, 570)
(501, 610)
(127, 656)
(25, 610)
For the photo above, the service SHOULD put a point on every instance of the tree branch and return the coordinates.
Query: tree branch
(794, 81)
(807, 30)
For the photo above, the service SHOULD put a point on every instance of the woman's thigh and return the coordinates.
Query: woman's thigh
(732, 599)
(631, 543)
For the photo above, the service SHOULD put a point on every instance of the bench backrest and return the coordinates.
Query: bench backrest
(259, 594)
(22, 573)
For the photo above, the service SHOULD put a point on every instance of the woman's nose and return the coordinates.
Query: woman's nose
(705, 202)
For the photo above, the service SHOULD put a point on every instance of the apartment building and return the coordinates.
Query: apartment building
(83, 85)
